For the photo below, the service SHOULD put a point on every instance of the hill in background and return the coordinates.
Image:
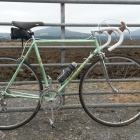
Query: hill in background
(55, 33)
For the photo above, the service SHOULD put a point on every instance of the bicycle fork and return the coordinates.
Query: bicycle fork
(102, 61)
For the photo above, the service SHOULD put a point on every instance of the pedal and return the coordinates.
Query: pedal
(52, 123)
(3, 105)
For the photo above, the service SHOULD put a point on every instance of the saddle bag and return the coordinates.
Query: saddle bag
(17, 33)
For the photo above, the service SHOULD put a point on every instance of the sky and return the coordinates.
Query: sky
(74, 13)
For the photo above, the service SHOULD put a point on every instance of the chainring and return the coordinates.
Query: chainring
(51, 99)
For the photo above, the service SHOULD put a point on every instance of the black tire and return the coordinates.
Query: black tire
(11, 118)
(98, 99)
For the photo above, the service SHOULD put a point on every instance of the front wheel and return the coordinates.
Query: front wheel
(16, 111)
(103, 104)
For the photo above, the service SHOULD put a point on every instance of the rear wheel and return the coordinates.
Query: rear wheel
(18, 111)
(98, 99)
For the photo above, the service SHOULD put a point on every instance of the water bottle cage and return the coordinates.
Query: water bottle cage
(66, 72)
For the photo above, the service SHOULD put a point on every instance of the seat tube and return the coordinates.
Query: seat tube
(41, 65)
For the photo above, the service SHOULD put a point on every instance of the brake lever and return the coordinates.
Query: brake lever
(130, 35)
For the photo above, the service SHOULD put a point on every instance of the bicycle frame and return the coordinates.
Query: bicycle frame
(44, 75)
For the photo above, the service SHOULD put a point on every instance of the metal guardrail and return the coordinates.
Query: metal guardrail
(72, 24)
(63, 25)
(132, 2)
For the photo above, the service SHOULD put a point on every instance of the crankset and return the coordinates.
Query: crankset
(51, 101)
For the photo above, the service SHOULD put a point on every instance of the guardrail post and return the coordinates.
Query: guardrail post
(62, 31)
(63, 37)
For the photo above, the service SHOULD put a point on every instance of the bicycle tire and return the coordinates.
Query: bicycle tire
(18, 113)
(98, 99)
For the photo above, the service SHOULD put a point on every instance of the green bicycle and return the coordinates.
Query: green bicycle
(104, 83)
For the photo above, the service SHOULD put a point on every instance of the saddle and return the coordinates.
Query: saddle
(22, 30)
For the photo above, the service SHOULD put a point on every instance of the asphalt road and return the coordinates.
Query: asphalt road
(71, 125)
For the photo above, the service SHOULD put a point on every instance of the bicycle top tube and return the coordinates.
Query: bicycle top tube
(65, 41)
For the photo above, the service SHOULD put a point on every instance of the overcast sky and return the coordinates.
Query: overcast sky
(75, 13)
